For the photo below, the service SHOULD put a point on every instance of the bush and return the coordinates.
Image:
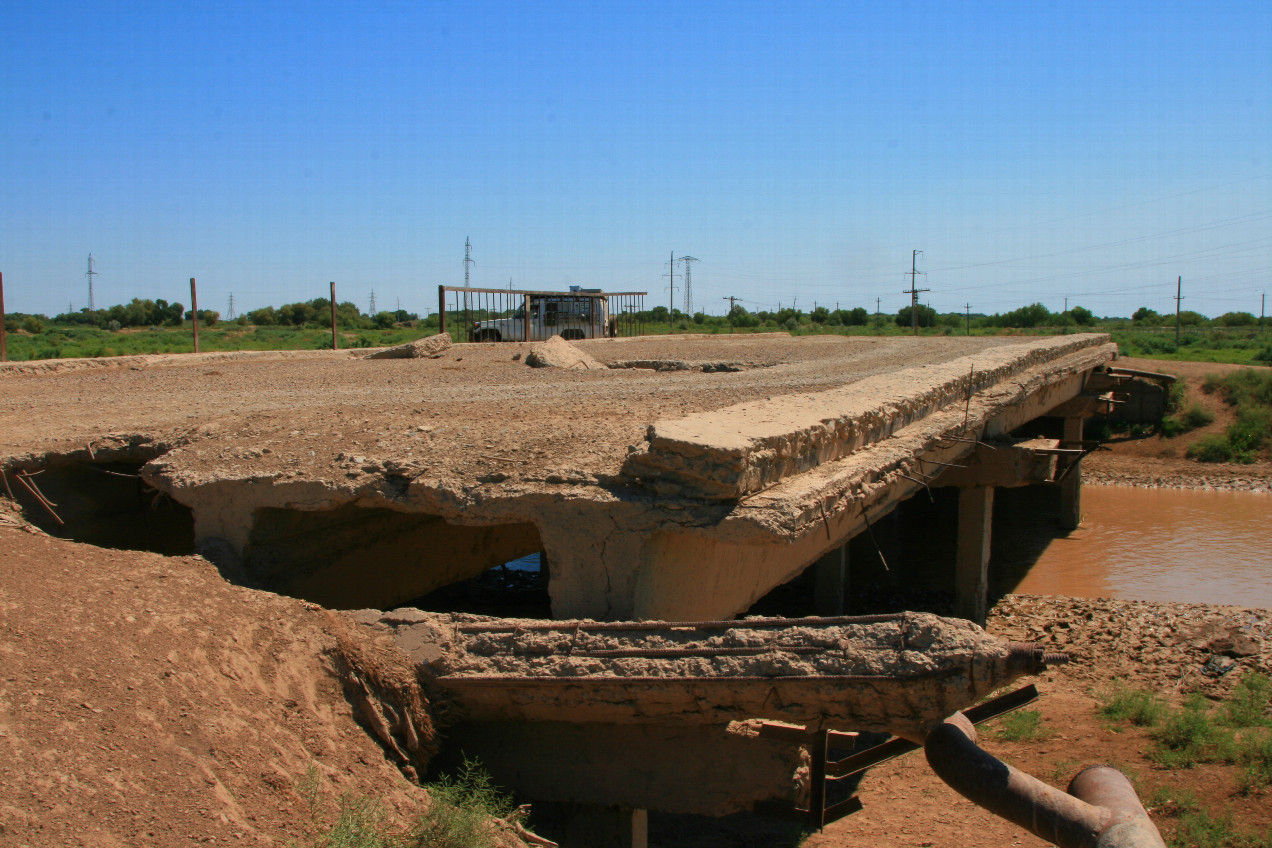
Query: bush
(1212, 448)
(1190, 419)
(1247, 706)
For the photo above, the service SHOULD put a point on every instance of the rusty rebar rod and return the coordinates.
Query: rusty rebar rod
(39, 498)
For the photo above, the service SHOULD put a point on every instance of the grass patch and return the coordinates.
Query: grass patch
(1136, 706)
(1248, 705)
(1022, 726)
(1200, 829)
(1191, 736)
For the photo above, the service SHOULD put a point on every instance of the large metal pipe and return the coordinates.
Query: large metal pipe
(1100, 810)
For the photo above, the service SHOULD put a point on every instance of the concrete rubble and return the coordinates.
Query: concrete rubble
(429, 347)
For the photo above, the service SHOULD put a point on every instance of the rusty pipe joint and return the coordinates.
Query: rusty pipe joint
(1100, 810)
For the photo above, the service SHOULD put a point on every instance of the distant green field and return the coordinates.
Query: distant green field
(61, 342)
(1238, 346)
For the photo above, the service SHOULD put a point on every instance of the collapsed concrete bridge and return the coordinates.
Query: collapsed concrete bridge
(681, 483)
(678, 494)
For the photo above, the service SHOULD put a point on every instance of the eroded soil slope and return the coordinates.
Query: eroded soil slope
(145, 701)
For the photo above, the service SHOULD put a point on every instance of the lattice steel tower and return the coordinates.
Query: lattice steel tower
(91, 274)
(688, 286)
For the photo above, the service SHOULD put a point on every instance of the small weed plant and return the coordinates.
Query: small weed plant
(460, 814)
(458, 817)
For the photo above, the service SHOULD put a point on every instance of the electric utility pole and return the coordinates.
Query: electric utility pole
(732, 301)
(1263, 296)
(230, 317)
(688, 287)
(1179, 288)
(671, 274)
(968, 307)
(913, 292)
(372, 312)
(468, 258)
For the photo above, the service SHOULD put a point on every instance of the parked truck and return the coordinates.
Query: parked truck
(571, 315)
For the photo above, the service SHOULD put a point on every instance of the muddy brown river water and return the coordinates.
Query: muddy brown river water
(1162, 545)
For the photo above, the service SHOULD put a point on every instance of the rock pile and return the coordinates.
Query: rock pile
(1167, 647)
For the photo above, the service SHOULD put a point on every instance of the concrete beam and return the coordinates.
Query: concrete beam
(975, 532)
(1005, 464)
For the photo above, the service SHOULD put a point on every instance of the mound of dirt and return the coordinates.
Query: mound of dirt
(556, 352)
(144, 700)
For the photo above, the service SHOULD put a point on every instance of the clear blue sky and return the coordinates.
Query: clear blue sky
(1034, 151)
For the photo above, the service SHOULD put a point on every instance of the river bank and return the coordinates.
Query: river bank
(1155, 461)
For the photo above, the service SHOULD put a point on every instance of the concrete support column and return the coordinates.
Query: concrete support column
(591, 826)
(975, 522)
(831, 582)
(1071, 486)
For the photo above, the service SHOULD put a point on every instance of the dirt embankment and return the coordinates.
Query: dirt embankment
(1157, 462)
(145, 701)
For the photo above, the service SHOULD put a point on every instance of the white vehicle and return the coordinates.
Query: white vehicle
(570, 316)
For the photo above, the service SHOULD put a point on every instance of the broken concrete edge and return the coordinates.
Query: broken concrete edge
(900, 673)
(885, 473)
(729, 453)
(427, 347)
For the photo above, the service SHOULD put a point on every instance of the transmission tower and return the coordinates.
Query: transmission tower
(91, 274)
(688, 288)
(230, 312)
(468, 259)
(372, 312)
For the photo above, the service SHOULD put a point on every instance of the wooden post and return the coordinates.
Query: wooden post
(975, 533)
(335, 339)
(1071, 485)
(441, 309)
(4, 343)
(194, 312)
